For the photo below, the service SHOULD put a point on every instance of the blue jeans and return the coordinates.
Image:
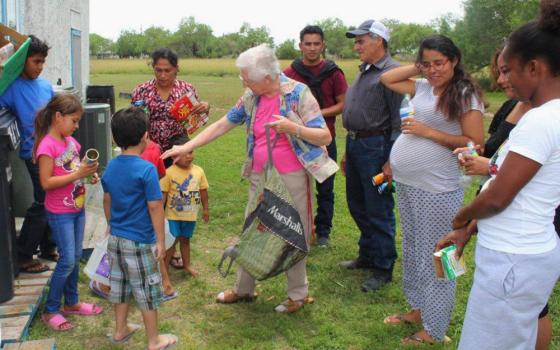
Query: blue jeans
(68, 233)
(35, 229)
(325, 199)
(372, 212)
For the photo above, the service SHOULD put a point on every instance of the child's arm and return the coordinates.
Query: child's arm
(164, 198)
(204, 201)
(157, 216)
(51, 182)
(107, 206)
(107, 209)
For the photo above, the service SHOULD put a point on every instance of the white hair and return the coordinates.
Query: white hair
(258, 62)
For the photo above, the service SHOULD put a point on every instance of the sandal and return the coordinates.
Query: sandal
(133, 328)
(289, 306)
(33, 266)
(171, 296)
(397, 319)
(172, 340)
(177, 262)
(84, 309)
(416, 340)
(230, 297)
(56, 322)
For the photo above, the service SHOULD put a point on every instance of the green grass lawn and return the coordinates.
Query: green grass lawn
(343, 317)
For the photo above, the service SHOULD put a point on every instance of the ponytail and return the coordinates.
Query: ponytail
(65, 104)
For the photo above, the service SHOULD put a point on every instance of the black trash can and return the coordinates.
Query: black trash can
(95, 132)
(9, 140)
(101, 94)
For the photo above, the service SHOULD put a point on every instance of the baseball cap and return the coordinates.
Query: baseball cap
(370, 26)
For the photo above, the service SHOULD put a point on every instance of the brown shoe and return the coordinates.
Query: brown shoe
(230, 297)
(289, 306)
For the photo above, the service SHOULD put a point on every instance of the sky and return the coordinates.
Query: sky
(284, 18)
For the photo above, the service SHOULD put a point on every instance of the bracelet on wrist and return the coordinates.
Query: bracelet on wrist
(298, 132)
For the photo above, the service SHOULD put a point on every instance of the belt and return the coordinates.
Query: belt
(362, 134)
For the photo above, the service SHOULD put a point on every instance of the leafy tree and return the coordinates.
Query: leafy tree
(406, 37)
(99, 45)
(338, 45)
(192, 39)
(287, 50)
(486, 25)
(250, 37)
(156, 37)
(131, 44)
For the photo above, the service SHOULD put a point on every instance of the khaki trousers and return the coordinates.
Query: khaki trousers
(299, 187)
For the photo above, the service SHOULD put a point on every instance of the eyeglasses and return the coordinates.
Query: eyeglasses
(437, 64)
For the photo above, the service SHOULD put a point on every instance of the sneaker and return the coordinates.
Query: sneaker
(377, 280)
(323, 242)
(355, 264)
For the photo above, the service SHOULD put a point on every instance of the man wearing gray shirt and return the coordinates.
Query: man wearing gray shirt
(371, 116)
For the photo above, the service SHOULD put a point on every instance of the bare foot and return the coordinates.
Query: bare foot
(163, 341)
(168, 290)
(413, 316)
(190, 271)
(127, 334)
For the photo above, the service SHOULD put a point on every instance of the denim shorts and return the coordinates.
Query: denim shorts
(134, 269)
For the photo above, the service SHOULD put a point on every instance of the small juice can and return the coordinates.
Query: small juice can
(378, 179)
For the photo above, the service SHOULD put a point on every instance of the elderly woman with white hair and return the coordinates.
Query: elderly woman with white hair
(272, 99)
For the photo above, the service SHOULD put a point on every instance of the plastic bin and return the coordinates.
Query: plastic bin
(101, 94)
(12, 68)
(9, 140)
(95, 131)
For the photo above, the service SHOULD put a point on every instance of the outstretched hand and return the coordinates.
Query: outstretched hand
(177, 151)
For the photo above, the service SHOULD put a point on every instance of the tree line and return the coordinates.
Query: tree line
(482, 29)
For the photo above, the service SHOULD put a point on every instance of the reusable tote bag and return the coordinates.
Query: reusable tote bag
(273, 237)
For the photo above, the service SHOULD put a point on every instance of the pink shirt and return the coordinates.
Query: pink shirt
(283, 156)
(66, 156)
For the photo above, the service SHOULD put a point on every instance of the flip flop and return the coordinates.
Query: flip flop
(397, 319)
(170, 344)
(177, 263)
(55, 322)
(85, 309)
(416, 340)
(167, 297)
(133, 329)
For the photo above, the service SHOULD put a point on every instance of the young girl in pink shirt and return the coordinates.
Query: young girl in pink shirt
(61, 175)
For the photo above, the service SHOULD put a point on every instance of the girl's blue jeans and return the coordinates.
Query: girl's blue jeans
(68, 233)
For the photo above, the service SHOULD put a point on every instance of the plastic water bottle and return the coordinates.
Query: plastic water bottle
(141, 104)
(471, 151)
(407, 109)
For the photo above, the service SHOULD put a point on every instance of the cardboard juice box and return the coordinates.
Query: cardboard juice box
(446, 264)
